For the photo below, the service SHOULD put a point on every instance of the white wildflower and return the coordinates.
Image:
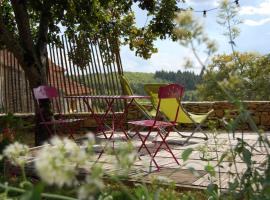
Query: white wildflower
(163, 179)
(17, 153)
(59, 163)
(89, 143)
(93, 183)
(126, 156)
(91, 137)
(105, 197)
(85, 192)
(91, 186)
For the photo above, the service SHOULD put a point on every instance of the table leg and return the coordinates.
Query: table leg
(100, 120)
(121, 120)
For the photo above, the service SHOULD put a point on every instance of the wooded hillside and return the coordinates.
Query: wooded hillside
(188, 79)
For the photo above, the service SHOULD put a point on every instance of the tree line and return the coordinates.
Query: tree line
(246, 78)
(186, 78)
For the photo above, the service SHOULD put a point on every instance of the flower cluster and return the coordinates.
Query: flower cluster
(126, 156)
(17, 153)
(93, 183)
(59, 162)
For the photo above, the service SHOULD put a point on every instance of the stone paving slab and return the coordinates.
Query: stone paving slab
(181, 174)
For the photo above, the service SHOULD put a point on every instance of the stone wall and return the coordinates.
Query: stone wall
(259, 110)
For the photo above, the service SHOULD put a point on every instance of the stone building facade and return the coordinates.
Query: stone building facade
(15, 95)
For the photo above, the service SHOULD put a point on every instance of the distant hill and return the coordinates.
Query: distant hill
(138, 79)
(188, 79)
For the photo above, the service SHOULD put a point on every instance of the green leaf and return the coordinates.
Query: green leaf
(212, 188)
(223, 156)
(33, 194)
(233, 185)
(210, 170)
(194, 171)
(186, 153)
(247, 156)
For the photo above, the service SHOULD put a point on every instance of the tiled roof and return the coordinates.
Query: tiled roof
(56, 76)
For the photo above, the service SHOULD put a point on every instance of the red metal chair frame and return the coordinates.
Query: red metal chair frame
(67, 125)
(163, 128)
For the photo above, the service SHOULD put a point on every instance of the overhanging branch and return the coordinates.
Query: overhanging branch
(43, 29)
(22, 19)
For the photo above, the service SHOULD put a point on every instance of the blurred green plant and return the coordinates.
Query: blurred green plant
(228, 18)
(58, 165)
(250, 181)
(9, 124)
(190, 33)
(249, 81)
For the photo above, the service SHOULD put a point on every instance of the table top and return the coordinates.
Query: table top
(109, 97)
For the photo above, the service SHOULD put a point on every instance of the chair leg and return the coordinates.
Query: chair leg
(179, 133)
(69, 129)
(167, 146)
(73, 130)
(143, 140)
(48, 129)
(129, 134)
(198, 127)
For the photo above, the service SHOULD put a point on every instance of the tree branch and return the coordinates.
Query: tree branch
(43, 29)
(23, 25)
(198, 58)
(30, 63)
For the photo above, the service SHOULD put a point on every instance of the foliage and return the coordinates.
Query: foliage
(28, 26)
(58, 166)
(249, 81)
(228, 18)
(186, 78)
(250, 181)
(190, 33)
(88, 19)
(139, 79)
(9, 124)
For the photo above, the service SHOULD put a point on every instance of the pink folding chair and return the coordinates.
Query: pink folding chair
(163, 128)
(60, 124)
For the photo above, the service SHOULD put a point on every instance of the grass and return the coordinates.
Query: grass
(25, 137)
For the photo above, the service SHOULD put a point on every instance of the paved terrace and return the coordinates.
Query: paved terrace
(181, 174)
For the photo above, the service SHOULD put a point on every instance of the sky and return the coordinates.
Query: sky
(254, 36)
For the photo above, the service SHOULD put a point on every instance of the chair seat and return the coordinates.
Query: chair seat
(199, 118)
(150, 123)
(62, 121)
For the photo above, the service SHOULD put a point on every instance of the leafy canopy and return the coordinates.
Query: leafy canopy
(45, 19)
(249, 81)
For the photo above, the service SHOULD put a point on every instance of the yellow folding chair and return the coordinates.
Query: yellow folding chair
(168, 106)
(128, 91)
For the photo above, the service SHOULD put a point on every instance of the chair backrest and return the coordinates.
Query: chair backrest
(169, 92)
(168, 106)
(152, 91)
(125, 85)
(128, 91)
(45, 92)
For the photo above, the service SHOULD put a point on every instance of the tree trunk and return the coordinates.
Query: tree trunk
(36, 74)
(31, 54)
(41, 133)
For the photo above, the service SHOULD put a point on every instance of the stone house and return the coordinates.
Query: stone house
(15, 95)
